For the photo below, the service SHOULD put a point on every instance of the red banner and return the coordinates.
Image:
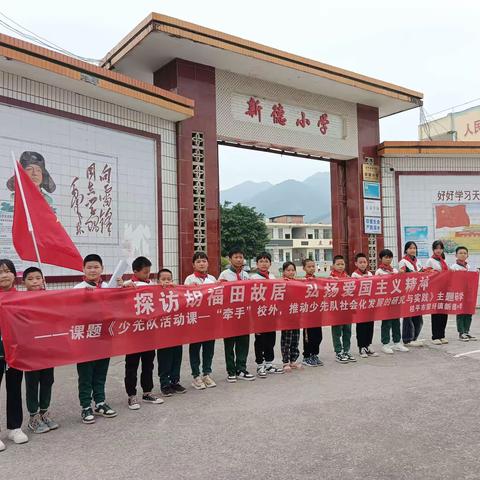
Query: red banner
(52, 328)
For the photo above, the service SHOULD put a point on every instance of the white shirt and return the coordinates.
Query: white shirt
(84, 284)
(380, 271)
(357, 275)
(194, 280)
(435, 264)
(407, 265)
(459, 268)
(257, 276)
(230, 276)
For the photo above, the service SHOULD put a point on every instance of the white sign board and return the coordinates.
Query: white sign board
(100, 182)
(372, 208)
(373, 225)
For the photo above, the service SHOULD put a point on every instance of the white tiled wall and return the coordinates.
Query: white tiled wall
(28, 90)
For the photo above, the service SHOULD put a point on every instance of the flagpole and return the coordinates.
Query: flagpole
(27, 213)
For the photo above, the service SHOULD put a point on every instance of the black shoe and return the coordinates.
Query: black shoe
(177, 388)
(167, 391)
(87, 415)
(105, 410)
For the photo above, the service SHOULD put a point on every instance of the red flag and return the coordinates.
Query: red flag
(455, 216)
(54, 245)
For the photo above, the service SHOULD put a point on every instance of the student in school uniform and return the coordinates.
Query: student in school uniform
(341, 334)
(13, 377)
(312, 337)
(391, 325)
(169, 359)
(364, 329)
(290, 339)
(265, 341)
(411, 326)
(200, 276)
(236, 348)
(38, 383)
(141, 268)
(92, 376)
(464, 320)
(437, 263)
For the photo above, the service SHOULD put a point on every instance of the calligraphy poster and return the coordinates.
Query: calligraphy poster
(447, 207)
(101, 183)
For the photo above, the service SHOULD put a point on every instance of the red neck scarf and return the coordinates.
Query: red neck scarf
(442, 261)
(386, 268)
(462, 264)
(359, 272)
(310, 275)
(201, 275)
(412, 260)
(136, 279)
(336, 274)
(263, 274)
(238, 272)
(92, 283)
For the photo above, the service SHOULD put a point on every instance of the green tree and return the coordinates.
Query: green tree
(244, 227)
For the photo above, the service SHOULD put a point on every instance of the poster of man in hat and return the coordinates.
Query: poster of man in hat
(34, 164)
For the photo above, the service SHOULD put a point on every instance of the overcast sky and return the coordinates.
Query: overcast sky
(429, 46)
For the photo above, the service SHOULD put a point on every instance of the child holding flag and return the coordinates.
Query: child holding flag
(38, 383)
(437, 263)
(390, 325)
(141, 277)
(412, 326)
(92, 376)
(200, 276)
(236, 348)
(464, 320)
(290, 338)
(13, 377)
(341, 334)
(364, 329)
(312, 337)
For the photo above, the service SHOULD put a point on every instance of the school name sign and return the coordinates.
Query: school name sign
(53, 328)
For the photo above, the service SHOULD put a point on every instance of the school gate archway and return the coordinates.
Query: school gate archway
(249, 94)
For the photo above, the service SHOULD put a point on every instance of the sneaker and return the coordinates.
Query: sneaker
(245, 375)
(87, 415)
(363, 352)
(37, 425)
(400, 348)
(416, 343)
(133, 403)
(208, 381)
(444, 341)
(371, 353)
(350, 357)
(309, 362)
(17, 435)
(261, 371)
(387, 349)
(2, 446)
(104, 410)
(177, 388)
(463, 337)
(51, 424)
(437, 341)
(273, 369)
(341, 358)
(231, 378)
(198, 384)
(471, 337)
(318, 361)
(167, 391)
(149, 397)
